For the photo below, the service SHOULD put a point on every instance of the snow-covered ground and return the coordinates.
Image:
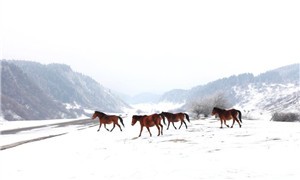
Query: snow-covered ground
(48, 130)
(261, 149)
(4, 125)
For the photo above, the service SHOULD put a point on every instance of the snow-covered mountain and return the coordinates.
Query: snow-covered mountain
(32, 90)
(269, 97)
(276, 90)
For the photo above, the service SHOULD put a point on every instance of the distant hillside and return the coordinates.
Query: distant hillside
(281, 86)
(175, 96)
(32, 90)
(143, 98)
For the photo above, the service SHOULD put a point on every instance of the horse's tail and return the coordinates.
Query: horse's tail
(121, 121)
(163, 117)
(240, 115)
(187, 116)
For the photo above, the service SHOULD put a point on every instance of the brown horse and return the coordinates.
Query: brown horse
(149, 121)
(175, 118)
(227, 115)
(107, 119)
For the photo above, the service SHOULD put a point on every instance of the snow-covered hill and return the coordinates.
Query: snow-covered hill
(32, 90)
(269, 97)
(276, 90)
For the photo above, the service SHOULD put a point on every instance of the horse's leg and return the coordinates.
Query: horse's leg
(184, 124)
(141, 131)
(221, 123)
(239, 123)
(113, 127)
(158, 129)
(168, 125)
(225, 123)
(235, 119)
(161, 127)
(149, 131)
(180, 125)
(99, 126)
(174, 125)
(119, 126)
(106, 127)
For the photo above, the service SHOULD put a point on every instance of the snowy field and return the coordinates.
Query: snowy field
(46, 128)
(261, 149)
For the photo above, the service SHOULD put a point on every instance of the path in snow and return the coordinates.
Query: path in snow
(17, 136)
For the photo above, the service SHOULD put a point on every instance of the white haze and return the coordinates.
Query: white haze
(154, 46)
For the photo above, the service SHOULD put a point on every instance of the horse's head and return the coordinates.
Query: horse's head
(134, 119)
(97, 114)
(163, 113)
(94, 115)
(216, 111)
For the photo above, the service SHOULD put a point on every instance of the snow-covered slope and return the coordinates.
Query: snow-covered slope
(276, 90)
(32, 90)
(269, 97)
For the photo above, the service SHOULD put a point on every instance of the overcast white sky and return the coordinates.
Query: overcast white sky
(153, 46)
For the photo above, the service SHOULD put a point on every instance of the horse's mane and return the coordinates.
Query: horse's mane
(99, 112)
(218, 108)
(138, 116)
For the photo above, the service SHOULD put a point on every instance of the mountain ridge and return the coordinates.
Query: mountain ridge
(228, 86)
(59, 85)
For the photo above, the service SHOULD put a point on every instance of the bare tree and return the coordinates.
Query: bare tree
(219, 100)
(205, 105)
(139, 111)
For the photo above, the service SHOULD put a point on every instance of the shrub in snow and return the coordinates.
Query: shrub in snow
(285, 117)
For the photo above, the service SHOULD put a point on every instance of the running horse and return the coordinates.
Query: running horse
(149, 121)
(224, 115)
(175, 118)
(107, 119)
